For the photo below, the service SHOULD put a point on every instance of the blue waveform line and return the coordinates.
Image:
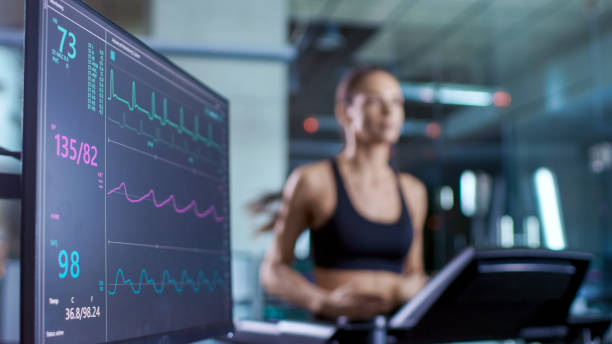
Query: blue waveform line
(196, 285)
(158, 139)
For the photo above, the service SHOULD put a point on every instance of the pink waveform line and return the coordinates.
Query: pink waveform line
(210, 211)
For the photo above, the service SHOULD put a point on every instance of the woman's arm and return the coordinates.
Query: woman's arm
(277, 275)
(413, 274)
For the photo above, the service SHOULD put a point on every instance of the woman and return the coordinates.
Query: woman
(366, 220)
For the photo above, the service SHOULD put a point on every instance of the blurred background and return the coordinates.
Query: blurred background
(508, 116)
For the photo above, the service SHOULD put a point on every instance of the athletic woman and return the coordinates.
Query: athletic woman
(366, 220)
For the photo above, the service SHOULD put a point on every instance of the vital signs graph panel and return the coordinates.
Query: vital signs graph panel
(133, 198)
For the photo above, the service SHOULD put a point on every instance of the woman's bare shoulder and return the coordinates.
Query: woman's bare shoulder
(411, 183)
(313, 178)
(414, 189)
(415, 194)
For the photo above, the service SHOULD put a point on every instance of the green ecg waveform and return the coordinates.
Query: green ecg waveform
(158, 139)
(152, 115)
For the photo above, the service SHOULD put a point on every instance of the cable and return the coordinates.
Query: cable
(6, 152)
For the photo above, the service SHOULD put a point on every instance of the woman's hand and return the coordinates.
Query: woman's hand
(348, 301)
(410, 286)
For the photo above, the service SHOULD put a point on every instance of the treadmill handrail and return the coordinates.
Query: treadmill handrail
(412, 312)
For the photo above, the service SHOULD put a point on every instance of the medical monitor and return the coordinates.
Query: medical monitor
(125, 182)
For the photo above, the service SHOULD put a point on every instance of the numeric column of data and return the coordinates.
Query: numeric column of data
(73, 208)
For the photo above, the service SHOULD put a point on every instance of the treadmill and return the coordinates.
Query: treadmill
(480, 295)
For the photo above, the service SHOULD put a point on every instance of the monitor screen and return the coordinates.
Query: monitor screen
(126, 200)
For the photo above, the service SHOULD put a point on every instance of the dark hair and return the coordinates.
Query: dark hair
(350, 80)
(266, 204)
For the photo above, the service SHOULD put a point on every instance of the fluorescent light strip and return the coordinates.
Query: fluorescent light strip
(467, 191)
(446, 198)
(550, 211)
(531, 227)
(506, 231)
(450, 94)
(464, 97)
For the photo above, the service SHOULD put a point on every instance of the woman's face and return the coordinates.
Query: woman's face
(376, 111)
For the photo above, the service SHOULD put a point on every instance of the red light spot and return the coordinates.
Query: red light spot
(433, 130)
(311, 125)
(502, 99)
(434, 222)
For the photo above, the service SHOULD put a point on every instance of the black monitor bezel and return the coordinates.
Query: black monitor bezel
(29, 331)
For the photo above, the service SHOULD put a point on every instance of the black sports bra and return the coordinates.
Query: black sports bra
(349, 241)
